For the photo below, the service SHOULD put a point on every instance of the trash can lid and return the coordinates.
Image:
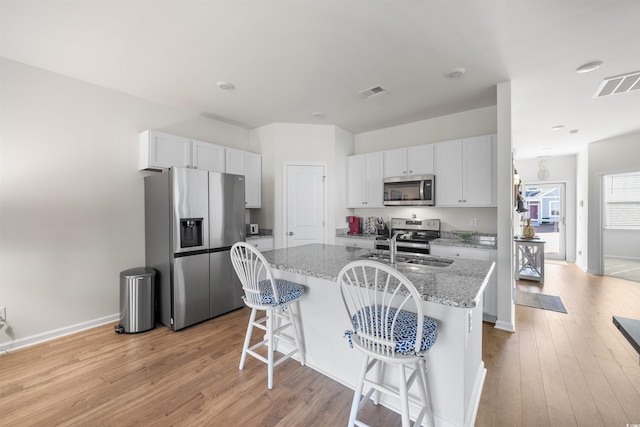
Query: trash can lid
(138, 271)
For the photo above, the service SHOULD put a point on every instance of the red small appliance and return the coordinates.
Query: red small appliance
(355, 224)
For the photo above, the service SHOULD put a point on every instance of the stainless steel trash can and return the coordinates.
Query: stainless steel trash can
(137, 300)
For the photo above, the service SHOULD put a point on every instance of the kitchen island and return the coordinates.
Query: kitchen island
(452, 296)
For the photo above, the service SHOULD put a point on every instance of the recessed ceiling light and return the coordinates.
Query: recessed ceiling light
(559, 127)
(455, 73)
(573, 131)
(226, 85)
(588, 67)
(318, 115)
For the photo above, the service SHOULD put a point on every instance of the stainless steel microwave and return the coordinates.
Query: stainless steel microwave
(409, 190)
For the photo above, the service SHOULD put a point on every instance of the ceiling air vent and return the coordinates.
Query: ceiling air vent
(619, 84)
(373, 92)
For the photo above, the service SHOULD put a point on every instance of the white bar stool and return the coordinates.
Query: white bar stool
(390, 328)
(273, 296)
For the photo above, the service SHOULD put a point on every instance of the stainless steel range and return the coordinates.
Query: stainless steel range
(414, 237)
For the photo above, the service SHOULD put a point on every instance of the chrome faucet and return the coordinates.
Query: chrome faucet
(393, 247)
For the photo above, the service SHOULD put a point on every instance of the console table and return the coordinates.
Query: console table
(529, 259)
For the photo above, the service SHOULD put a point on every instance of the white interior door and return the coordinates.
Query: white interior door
(304, 201)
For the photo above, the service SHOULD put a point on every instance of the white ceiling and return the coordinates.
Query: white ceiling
(290, 58)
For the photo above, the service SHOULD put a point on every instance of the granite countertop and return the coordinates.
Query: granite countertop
(257, 236)
(460, 243)
(366, 236)
(458, 285)
(448, 239)
(262, 233)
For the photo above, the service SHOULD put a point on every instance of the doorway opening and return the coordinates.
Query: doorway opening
(546, 204)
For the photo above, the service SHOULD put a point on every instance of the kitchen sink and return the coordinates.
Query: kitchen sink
(414, 261)
(438, 262)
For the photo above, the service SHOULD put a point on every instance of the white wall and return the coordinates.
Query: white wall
(621, 243)
(481, 121)
(615, 155)
(505, 212)
(562, 169)
(71, 197)
(451, 218)
(306, 144)
(582, 204)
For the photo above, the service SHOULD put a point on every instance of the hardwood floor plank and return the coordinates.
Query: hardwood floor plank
(582, 401)
(534, 406)
(555, 370)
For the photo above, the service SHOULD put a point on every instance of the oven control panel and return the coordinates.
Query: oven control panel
(414, 224)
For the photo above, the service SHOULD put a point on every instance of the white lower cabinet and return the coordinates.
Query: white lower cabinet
(261, 243)
(355, 243)
(490, 300)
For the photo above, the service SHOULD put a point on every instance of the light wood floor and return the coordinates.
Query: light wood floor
(558, 369)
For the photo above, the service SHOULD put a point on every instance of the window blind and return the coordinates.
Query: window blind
(622, 200)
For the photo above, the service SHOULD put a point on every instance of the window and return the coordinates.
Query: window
(622, 201)
(554, 208)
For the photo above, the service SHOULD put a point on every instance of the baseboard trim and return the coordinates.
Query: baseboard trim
(56, 333)
(505, 326)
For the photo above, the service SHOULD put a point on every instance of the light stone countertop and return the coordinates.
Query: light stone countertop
(459, 243)
(458, 285)
(366, 236)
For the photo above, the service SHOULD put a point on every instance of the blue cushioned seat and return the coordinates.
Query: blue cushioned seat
(405, 329)
(287, 291)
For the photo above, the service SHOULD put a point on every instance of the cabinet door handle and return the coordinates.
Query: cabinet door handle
(291, 233)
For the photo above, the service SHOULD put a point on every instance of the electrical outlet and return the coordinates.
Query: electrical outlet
(3, 314)
(474, 222)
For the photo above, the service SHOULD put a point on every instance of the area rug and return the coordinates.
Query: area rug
(543, 301)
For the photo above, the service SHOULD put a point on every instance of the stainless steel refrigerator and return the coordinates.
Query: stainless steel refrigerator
(192, 218)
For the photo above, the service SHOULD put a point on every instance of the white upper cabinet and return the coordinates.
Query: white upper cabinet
(253, 181)
(208, 156)
(409, 161)
(364, 180)
(250, 165)
(159, 150)
(235, 161)
(465, 172)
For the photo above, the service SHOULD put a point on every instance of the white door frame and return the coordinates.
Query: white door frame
(285, 179)
(563, 207)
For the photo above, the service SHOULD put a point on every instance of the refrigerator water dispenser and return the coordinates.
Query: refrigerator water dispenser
(190, 232)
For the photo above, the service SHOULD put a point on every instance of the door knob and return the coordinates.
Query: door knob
(291, 233)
